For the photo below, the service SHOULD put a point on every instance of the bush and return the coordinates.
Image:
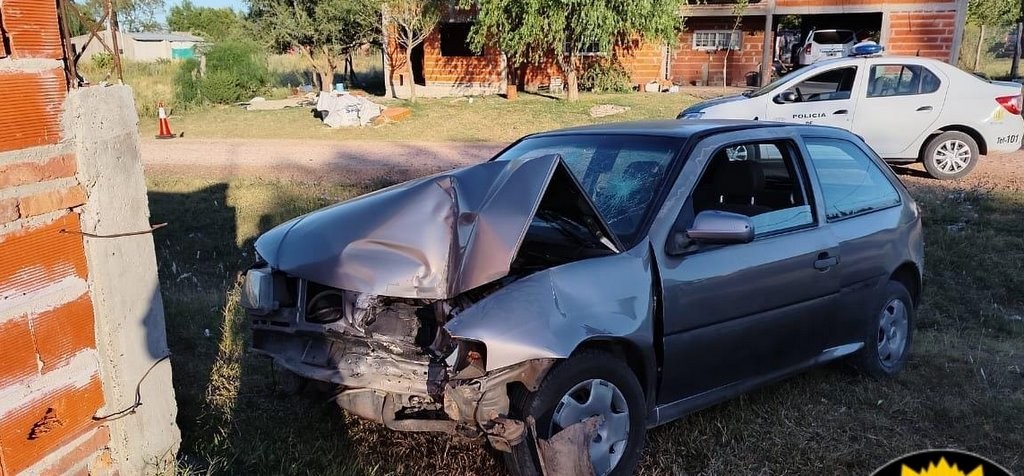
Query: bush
(102, 60)
(186, 84)
(607, 76)
(244, 63)
(235, 70)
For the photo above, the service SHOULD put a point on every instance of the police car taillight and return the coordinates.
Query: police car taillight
(1010, 103)
(807, 49)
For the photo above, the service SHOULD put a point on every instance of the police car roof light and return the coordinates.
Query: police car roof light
(866, 49)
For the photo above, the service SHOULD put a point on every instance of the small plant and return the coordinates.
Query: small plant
(102, 60)
(606, 76)
(221, 87)
(186, 84)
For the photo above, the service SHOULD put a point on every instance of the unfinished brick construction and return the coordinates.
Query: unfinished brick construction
(931, 28)
(53, 382)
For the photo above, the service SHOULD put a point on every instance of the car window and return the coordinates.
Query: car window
(831, 85)
(621, 173)
(851, 183)
(758, 179)
(901, 80)
(833, 37)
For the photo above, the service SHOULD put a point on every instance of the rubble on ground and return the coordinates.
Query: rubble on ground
(346, 110)
(602, 110)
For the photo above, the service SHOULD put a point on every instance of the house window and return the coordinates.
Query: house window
(455, 40)
(716, 39)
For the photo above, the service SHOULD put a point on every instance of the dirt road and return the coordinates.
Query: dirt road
(308, 160)
(353, 161)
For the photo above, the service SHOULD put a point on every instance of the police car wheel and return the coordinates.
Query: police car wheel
(950, 155)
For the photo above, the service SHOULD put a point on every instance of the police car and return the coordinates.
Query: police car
(907, 109)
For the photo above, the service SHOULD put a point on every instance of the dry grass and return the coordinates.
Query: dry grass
(963, 387)
(489, 119)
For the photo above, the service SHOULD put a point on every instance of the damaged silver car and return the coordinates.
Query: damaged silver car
(591, 283)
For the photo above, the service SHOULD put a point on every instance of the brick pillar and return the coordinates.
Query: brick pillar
(67, 355)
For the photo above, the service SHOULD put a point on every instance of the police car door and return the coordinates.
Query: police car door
(824, 96)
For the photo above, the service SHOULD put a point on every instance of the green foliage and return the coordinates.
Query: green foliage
(235, 70)
(132, 15)
(213, 24)
(244, 61)
(606, 77)
(221, 87)
(993, 12)
(186, 84)
(102, 60)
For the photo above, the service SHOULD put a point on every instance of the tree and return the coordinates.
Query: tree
(213, 24)
(324, 31)
(566, 29)
(984, 13)
(410, 21)
(132, 15)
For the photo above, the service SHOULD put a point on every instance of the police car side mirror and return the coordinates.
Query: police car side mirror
(783, 98)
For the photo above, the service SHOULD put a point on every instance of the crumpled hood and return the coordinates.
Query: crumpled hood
(711, 102)
(431, 238)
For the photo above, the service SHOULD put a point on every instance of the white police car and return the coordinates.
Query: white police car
(907, 109)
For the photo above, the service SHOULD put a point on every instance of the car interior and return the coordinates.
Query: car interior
(896, 80)
(758, 180)
(831, 85)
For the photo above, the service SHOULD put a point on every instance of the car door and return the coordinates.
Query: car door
(862, 211)
(901, 102)
(824, 96)
(734, 314)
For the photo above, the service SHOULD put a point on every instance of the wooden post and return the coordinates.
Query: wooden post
(768, 50)
(981, 41)
(1015, 65)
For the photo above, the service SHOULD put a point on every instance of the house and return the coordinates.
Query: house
(712, 48)
(143, 46)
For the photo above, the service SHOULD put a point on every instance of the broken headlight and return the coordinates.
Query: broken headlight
(326, 307)
(465, 358)
(258, 292)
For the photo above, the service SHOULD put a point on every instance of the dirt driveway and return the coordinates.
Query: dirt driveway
(307, 160)
(354, 161)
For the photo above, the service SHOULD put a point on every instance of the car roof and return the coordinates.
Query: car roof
(667, 128)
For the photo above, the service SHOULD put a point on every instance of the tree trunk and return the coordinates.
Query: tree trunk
(325, 76)
(512, 87)
(1015, 65)
(725, 69)
(572, 82)
(412, 76)
(981, 41)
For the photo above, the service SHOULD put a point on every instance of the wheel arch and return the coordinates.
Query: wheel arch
(978, 138)
(630, 353)
(909, 275)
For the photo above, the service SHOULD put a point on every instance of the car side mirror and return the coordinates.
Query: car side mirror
(721, 228)
(785, 97)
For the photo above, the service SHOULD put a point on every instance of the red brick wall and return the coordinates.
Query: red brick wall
(929, 34)
(49, 370)
(687, 63)
(483, 69)
(643, 61)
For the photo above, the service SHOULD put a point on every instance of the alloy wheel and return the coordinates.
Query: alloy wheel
(893, 323)
(952, 156)
(597, 397)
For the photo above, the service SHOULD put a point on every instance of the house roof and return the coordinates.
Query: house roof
(161, 36)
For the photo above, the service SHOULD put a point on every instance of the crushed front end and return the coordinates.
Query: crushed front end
(391, 358)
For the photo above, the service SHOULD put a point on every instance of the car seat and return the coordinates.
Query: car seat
(734, 188)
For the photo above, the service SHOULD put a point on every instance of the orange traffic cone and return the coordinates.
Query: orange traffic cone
(165, 125)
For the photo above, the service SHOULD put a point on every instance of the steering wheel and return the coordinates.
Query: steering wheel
(799, 95)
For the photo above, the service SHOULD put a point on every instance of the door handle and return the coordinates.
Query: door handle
(924, 108)
(824, 262)
(841, 111)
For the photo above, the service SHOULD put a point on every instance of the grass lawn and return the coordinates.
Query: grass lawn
(963, 387)
(488, 119)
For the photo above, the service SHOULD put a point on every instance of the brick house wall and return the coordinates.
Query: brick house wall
(687, 63)
(928, 34)
(54, 371)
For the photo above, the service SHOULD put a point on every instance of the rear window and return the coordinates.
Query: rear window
(833, 37)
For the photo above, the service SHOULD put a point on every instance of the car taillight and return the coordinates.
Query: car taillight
(1010, 103)
(807, 49)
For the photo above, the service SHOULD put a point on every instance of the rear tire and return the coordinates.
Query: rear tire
(950, 155)
(889, 334)
(579, 372)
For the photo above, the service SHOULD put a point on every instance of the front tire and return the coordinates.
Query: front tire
(889, 334)
(950, 155)
(588, 383)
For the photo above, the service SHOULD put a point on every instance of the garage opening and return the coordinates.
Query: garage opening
(793, 32)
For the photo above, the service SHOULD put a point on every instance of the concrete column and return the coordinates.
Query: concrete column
(958, 31)
(101, 123)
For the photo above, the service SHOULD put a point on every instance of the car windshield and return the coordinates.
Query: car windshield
(774, 84)
(835, 37)
(620, 173)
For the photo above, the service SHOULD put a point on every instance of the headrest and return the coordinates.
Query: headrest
(739, 178)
